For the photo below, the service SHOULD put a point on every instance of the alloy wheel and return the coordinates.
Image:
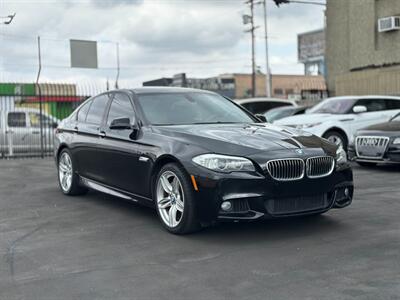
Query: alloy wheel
(170, 198)
(335, 140)
(65, 171)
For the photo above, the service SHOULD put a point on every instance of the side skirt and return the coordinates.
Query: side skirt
(115, 192)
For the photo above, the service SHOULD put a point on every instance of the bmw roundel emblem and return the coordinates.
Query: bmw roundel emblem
(299, 151)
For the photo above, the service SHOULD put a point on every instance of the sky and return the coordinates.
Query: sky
(157, 38)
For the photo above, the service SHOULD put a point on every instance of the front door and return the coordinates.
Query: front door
(18, 136)
(119, 149)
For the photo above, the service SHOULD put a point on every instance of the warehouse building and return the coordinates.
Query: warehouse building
(363, 47)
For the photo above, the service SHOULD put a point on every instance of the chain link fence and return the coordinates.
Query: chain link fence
(29, 114)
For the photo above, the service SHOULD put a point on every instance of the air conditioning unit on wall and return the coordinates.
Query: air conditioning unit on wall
(389, 24)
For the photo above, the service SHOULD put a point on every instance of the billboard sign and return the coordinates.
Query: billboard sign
(311, 46)
(83, 54)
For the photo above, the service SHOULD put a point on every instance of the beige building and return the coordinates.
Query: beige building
(295, 87)
(363, 47)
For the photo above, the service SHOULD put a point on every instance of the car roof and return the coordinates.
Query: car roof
(364, 97)
(165, 89)
(251, 100)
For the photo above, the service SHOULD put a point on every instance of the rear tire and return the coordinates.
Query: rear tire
(174, 200)
(336, 138)
(68, 179)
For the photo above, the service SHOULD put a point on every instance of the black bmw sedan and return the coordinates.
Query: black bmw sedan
(379, 143)
(197, 158)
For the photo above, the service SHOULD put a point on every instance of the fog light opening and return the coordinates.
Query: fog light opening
(226, 206)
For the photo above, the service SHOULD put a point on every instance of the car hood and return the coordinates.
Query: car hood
(386, 126)
(308, 119)
(243, 138)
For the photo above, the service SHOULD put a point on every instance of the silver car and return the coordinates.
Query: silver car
(20, 132)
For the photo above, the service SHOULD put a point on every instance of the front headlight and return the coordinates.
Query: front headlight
(396, 141)
(341, 156)
(224, 163)
(304, 126)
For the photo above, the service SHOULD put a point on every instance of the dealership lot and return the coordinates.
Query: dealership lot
(100, 247)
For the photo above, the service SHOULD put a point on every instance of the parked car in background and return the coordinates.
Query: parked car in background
(20, 131)
(197, 158)
(262, 105)
(338, 119)
(378, 143)
(283, 112)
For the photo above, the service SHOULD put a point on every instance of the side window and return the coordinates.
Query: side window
(372, 104)
(35, 120)
(81, 116)
(392, 104)
(96, 110)
(16, 119)
(121, 107)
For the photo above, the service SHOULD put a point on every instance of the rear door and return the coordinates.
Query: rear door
(88, 138)
(119, 151)
(47, 130)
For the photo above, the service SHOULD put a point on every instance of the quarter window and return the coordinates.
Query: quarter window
(16, 119)
(82, 113)
(121, 107)
(392, 104)
(96, 110)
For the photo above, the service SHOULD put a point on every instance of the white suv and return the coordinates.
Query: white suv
(338, 119)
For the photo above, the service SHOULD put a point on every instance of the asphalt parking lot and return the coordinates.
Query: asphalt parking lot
(99, 247)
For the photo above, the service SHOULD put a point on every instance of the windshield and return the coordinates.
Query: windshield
(332, 106)
(190, 108)
(396, 118)
(279, 113)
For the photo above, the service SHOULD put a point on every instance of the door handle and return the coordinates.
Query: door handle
(102, 134)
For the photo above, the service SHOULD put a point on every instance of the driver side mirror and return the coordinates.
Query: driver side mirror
(121, 123)
(262, 118)
(359, 109)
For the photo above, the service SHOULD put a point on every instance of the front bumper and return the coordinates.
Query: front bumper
(391, 155)
(255, 196)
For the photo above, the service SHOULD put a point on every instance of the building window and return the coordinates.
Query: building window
(278, 92)
(289, 92)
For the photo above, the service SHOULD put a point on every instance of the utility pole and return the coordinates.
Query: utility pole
(268, 91)
(118, 67)
(253, 59)
(249, 19)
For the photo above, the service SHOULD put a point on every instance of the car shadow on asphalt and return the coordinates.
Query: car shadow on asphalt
(267, 229)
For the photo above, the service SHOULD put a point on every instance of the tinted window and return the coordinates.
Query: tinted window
(35, 120)
(392, 104)
(262, 107)
(96, 110)
(333, 106)
(16, 119)
(372, 104)
(190, 108)
(121, 107)
(81, 117)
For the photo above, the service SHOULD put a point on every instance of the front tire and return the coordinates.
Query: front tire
(336, 138)
(67, 177)
(174, 200)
